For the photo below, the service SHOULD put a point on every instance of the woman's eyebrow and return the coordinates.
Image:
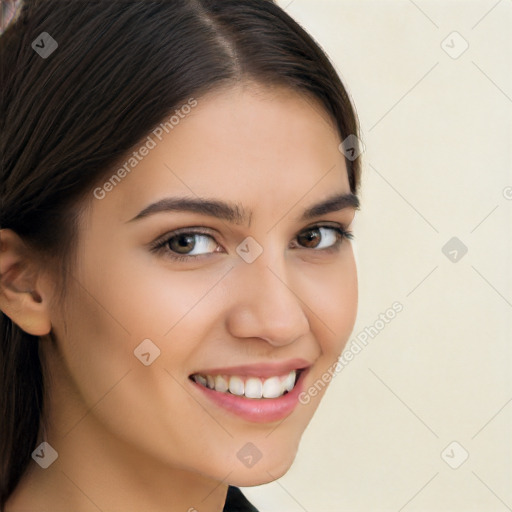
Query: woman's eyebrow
(237, 214)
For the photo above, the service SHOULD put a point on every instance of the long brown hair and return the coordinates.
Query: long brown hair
(120, 67)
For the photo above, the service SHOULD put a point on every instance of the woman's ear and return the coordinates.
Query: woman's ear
(21, 298)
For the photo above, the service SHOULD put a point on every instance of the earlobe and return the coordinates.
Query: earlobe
(20, 297)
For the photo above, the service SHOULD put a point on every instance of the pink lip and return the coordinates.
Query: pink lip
(263, 410)
(259, 370)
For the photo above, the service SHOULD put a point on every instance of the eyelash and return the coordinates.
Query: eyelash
(160, 244)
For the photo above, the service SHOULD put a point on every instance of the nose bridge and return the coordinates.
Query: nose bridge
(265, 303)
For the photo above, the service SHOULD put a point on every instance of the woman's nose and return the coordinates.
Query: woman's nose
(265, 304)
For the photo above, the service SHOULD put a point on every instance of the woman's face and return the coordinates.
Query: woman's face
(253, 296)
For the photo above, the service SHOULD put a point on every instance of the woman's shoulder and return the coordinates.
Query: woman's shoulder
(237, 502)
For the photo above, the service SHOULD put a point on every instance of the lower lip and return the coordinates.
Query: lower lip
(263, 410)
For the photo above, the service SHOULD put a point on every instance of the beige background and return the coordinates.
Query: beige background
(438, 135)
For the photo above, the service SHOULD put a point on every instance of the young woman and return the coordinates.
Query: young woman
(176, 275)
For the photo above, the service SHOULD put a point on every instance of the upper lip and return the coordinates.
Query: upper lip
(259, 370)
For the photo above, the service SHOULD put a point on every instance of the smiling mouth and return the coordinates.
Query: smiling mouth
(249, 387)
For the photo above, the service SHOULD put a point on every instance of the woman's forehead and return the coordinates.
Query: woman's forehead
(235, 144)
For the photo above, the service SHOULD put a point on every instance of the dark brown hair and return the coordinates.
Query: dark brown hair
(121, 66)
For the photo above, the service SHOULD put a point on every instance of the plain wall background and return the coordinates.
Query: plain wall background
(438, 135)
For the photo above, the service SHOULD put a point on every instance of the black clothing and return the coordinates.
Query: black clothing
(237, 502)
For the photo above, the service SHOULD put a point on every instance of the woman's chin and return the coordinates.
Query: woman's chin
(260, 474)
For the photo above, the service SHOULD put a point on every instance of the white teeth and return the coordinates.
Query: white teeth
(290, 381)
(201, 380)
(221, 384)
(251, 387)
(272, 388)
(236, 386)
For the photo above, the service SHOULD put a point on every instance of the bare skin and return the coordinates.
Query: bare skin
(133, 437)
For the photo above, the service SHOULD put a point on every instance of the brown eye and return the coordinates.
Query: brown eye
(323, 237)
(186, 244)
(310, 238)
(182, 244)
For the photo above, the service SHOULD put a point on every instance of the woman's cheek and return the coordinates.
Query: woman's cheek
(331, 297)
(157, 294)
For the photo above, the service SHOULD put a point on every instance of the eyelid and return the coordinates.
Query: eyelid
(196, 230)
(161, 241)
